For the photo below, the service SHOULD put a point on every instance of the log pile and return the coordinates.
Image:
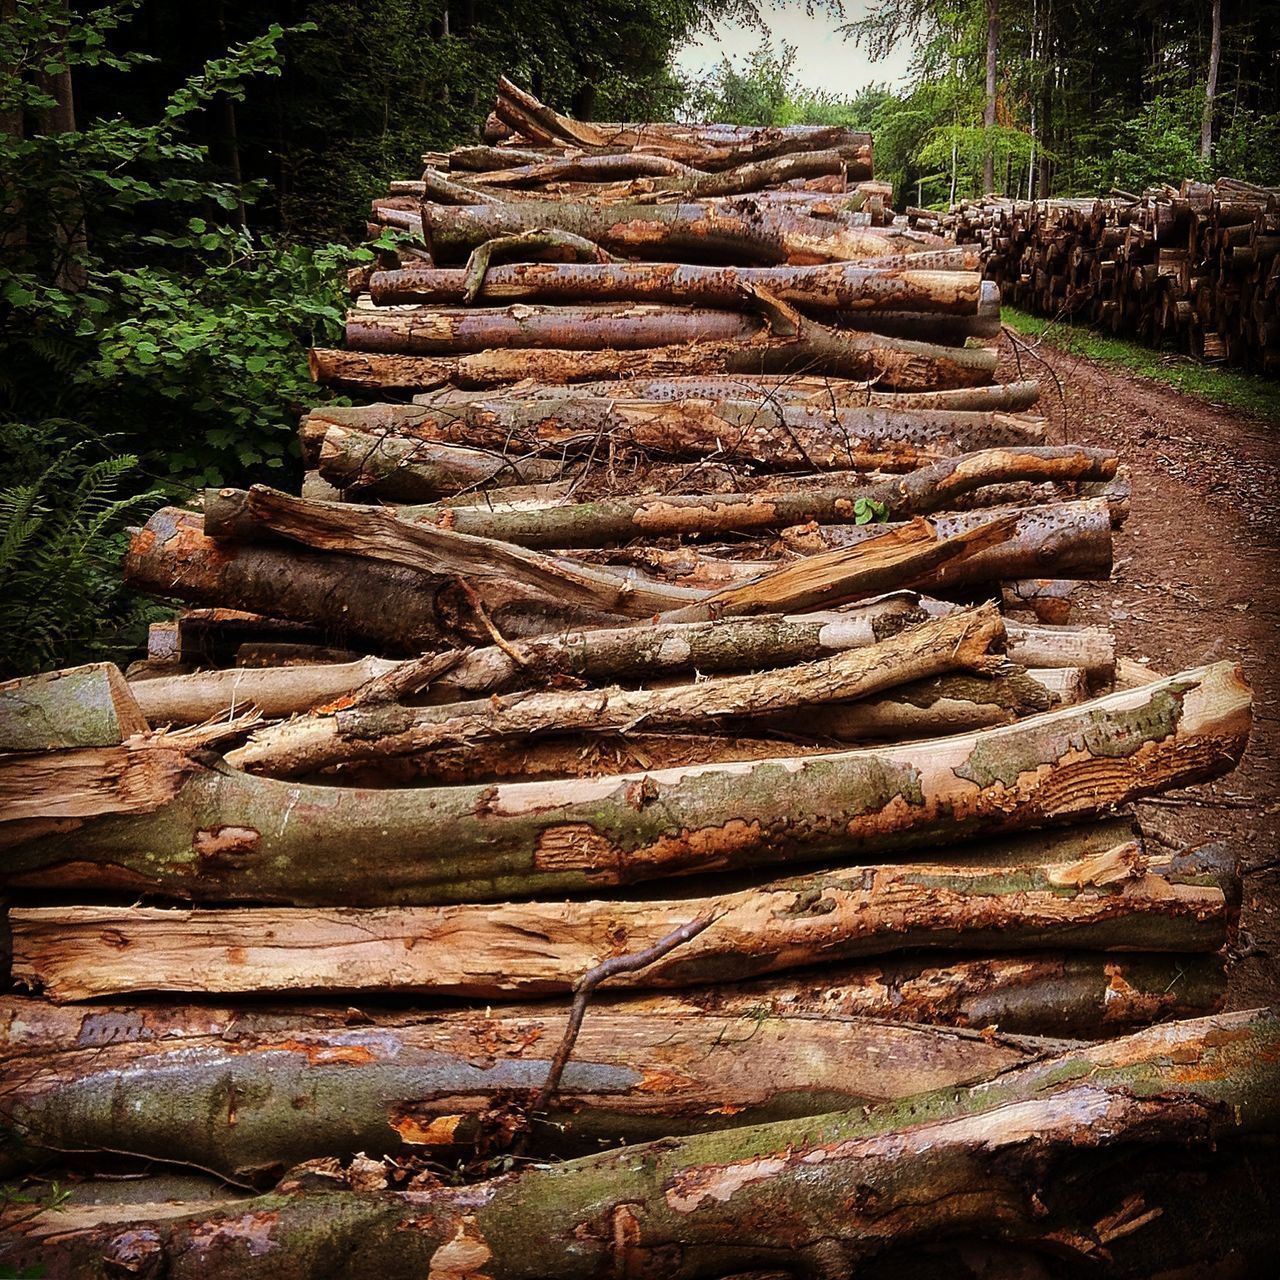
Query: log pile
(632, 753)
(1195, 267)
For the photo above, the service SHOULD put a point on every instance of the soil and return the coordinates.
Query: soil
(1195, 581)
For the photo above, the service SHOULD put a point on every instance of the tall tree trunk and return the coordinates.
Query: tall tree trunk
(1211, 85)
(989, 114)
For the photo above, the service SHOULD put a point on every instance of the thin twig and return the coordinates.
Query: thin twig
(582, 989)
(473, 598)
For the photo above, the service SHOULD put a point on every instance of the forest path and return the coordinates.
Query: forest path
(1197, 578)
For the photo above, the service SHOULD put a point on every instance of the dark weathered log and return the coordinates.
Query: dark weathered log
(807, 347)
(392, 608)
(1120, 899)
(833, 286)
(1070, 539)
(924, 490)
(307, 744)
(399, 1083)
(227, 836)
(638, 652)
(1047, 1155)
(748, 232)
(89, 706)
(618, 326)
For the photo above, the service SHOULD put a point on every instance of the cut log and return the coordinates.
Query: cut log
(421, 330)
(307, 744)
(827, 287)
(228, 836)
(1083, 1154)
(771, 437)
(500, 573)
(1117, 900)
(924, 490)
(90, 706)
(1073, 539)
(402, 1083)
(638, 652)
(895, 363)
(741, 233)
(1088, 649)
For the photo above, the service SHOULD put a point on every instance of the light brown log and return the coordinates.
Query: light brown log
(639, 652)
(924, 490)
(895, 363)
(901, 286)
(1115, 900)
(227, 836)
(407, 1084)
(306, 744)
(1099, 1156)
(89, 706)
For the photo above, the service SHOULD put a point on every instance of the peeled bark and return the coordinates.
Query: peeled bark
(927, 489)
(89, 706)
(638, 652)
(368, 447)
(742, 233)
(1047, 1155)
(1117, 900)
(402, 1083)
(1070, 539)
(895, 363)
(385, 605)
(1091, 649)
(829, 287)
(227, 836)
(307, 744)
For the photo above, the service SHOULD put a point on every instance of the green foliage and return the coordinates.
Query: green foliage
(756, 93)
(18, 1206)
(869, 511)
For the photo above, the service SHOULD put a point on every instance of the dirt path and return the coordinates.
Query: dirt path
(1197, 578)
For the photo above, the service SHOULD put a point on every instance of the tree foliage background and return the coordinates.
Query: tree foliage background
(181, 186)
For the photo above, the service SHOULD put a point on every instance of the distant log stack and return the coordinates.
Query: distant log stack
(1196, 268)
(652, 621)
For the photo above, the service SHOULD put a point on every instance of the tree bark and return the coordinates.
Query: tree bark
(635, 653)
(1211, 83)
(781, 437)
(1043, 1155)
(1117, 900)
(402, 1083)
(89, 706)
(828, 287)
(989, 110)
(307, 744)
(227, 836)
(919, 492)
(767, 234)
(1068, 539)
(896, 363)
(391, 608)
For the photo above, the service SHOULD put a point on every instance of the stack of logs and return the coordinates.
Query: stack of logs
(622, 744)
(1196, 268)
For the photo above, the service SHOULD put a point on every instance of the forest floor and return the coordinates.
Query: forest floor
(1197, 578)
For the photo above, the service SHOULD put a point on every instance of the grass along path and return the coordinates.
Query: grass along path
(1221, 386)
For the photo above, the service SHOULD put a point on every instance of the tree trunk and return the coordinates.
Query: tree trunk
(896, 363)
(1211, 84)
(1047, 1155)
(370, 602)
(619, 520)
(307, 744)
(768, 235)
(635, 653)
(1069, 539)
(227, 836)
(1117, 900)
(781, 437)
(828, 287)
(90, 706)
(989, 111)
(399, 1083)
